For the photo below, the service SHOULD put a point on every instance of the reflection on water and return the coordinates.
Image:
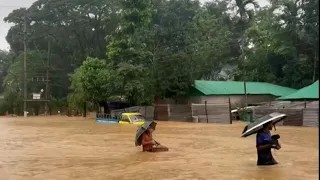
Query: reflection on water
(61, 148)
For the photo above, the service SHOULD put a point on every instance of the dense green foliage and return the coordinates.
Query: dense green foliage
(114, 49)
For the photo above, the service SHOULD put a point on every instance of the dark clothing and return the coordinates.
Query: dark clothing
(264, 156)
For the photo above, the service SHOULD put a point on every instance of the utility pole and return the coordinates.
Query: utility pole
(25, 66)
(47, 74)
(244, 76)
(314, 66)
(245, 92)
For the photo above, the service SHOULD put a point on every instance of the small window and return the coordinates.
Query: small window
(125, 118)
(137, 118)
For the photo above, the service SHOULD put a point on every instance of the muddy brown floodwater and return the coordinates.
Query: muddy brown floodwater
(62, 148)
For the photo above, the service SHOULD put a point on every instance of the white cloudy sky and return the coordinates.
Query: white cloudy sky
(6, 6)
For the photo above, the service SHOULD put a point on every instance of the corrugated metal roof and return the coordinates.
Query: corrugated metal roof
(237, 88)
(309, 92)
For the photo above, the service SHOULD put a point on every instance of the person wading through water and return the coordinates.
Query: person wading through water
(264, 143)
(150, 145)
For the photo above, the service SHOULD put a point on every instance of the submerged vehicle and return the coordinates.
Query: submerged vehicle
(123, 118)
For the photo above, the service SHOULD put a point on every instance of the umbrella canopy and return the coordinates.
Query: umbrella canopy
(307, 93)
(142, 129)
(257, 125)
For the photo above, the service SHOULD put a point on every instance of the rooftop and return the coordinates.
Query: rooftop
(237, 88)
(310, 92)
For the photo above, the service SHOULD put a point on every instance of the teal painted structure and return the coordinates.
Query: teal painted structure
(310, 92)
(106, 118)
(206, 88)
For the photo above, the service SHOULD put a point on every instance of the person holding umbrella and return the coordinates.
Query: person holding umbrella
(264, 141)
(144, 138)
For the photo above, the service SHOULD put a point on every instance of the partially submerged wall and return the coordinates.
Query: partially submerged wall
(311, 117)
(205, 113)
(294, 116)
(179, 112)
(212, 113)
(146, 111)
(173, 112)
(298, 113)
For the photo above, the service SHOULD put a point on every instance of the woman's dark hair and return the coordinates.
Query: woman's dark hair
(147, 132)
(267, 124)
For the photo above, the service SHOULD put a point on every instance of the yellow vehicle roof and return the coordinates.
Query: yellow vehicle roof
(131, 114)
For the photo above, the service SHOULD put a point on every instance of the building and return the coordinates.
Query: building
(307, 93)
(219, 92)
(308, 100)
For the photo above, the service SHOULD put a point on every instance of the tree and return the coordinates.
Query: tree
(75, 29)
(134, 84)
(77, 97)
(6, 59)
(123, 47)
(98, 80)
(213, 36)
(127, 53)
(171, 45)
(145, 48)
(281, 51)
(13, 81)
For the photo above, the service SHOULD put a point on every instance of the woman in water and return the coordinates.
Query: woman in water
(150, 145)
(265, 142)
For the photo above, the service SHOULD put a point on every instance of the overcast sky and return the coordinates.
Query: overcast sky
(6, 6)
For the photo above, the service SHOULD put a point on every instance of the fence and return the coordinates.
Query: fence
(311, 117)
(294, 116)
(146, 111)
(161, 112)
(179, 112)
(212, 113)
(173, 112)
(206, 113)
(103, 116)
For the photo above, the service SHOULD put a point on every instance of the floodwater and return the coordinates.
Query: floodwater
(65, 148)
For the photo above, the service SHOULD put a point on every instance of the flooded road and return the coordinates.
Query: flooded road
(64, 148)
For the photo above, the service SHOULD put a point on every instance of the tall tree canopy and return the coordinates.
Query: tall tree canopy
(106, 49)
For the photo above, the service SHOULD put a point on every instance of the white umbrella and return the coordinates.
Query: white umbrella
(257, 125)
